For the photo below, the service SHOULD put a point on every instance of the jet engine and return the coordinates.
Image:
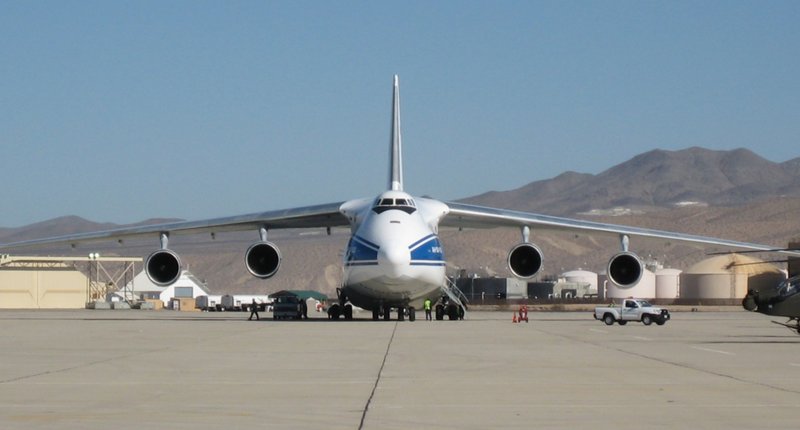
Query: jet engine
(625, 269)
(163, 267)
(525, 260)
(263, 259)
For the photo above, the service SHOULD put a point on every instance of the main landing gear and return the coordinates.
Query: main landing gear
(386, 312)
(336, 310)
(451, 310)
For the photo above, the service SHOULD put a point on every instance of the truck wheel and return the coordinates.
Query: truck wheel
(661, 321)
(646, 320)
(622, 322)
(608, 319)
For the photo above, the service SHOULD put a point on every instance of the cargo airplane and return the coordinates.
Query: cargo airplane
(394, 259)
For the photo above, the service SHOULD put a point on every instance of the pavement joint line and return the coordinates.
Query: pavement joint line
(700, 348)
(600, 344)
(92, 363)
(377, 378)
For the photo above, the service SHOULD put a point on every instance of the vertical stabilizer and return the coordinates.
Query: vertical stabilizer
(396, 149)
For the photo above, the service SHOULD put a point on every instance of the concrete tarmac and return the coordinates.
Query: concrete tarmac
(134, 369)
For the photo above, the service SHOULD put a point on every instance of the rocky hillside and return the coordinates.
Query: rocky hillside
(657, 179)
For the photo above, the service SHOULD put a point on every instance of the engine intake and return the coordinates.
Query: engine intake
(163, 267)
(263, 259)
(525, 260)
(625, 269)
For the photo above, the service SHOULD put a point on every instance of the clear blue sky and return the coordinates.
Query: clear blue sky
(120, 111)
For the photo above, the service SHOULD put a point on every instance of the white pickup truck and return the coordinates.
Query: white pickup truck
(631, 310)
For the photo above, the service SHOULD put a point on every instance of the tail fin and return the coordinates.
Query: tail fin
(396, 150)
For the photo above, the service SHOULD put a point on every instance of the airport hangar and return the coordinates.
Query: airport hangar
(36, 282)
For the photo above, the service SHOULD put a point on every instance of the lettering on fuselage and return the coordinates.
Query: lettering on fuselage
(427, 252)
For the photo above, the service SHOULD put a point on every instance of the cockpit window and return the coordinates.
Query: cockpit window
(789, 287)
(405, 205)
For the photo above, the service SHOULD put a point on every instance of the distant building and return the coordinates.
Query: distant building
(56, 286)
(141, 288)
(644, 289)
(728, 276)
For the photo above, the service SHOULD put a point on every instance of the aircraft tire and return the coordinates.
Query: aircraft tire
(452, 312)
(412, 314)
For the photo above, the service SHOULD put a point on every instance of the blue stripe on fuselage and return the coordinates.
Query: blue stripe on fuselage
(427, 251)
(361, 252)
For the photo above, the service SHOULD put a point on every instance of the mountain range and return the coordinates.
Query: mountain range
(657, 179)
(732, 194)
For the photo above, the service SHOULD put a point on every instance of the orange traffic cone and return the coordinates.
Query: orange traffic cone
(514, 318)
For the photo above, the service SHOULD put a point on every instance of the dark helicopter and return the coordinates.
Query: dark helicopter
(782, 301)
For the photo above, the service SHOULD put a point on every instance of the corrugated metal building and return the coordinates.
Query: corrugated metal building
(59, 286)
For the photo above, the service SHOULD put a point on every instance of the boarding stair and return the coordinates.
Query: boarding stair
(455, 295)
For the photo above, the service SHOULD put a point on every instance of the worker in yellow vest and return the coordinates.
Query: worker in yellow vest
(427, 306)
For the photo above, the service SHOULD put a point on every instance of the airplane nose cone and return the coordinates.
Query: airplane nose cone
(394, 260)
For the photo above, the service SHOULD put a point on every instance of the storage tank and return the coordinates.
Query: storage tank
(581, 277)
(644, 289)
(668, 283)
(727, 277)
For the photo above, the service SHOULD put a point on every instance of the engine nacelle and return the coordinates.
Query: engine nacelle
(525, 260)
(263, 259)
(163, 267)
(625, 269)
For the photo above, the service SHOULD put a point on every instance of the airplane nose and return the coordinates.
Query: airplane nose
(394, 260)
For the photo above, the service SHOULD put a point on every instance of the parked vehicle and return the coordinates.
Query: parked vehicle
(287, 307)
(631, 310)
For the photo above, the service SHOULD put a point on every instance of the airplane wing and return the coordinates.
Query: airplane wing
(326, 215)
(470, 216)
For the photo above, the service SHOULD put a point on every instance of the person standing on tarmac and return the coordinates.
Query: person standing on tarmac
(304, 309)
(427, 306)
(253, 310)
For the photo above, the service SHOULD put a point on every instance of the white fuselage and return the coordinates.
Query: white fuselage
(394, 257)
